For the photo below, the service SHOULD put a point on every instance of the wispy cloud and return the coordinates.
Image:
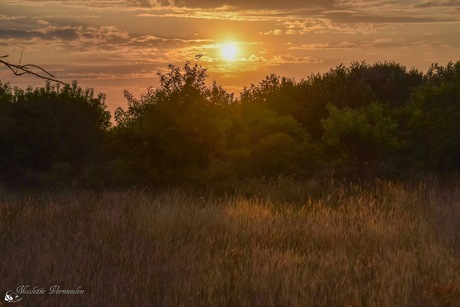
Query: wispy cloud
(325, 25)
(47, 34)
(439, 3)
(236, 4)
(6, 17)
(354, 18)
(78, 3)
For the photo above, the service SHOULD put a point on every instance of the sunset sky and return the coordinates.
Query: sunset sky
(112, 45)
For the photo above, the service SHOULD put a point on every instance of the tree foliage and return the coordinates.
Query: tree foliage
(360, 139)
(50, 129)
(175, 129)
(434, 123)
(359, 120)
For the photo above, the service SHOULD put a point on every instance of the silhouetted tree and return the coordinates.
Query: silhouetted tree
(263, 142)
(434, 125)
(360, 120)
(173, 130)
(50, 130)
(362, 140)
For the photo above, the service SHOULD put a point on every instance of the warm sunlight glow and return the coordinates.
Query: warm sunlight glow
(229, 51)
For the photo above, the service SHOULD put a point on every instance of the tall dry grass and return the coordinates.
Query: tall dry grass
(273, 243)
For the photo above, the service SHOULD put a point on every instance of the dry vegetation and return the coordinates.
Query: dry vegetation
(272, 243)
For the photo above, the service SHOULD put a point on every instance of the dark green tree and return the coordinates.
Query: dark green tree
(262, 142)
(361, 141)
(434, 125)
(51, 130)
(174, 130)
(353, 87)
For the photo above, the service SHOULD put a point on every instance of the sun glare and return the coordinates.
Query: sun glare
(229, 51)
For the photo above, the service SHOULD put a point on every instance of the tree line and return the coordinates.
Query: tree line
(357, 121)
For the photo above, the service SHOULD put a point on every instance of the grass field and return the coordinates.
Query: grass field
(260, 243)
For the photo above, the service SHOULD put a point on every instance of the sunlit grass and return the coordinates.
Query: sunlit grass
(273, 243)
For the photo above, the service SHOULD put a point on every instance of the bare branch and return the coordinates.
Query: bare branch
(19, 70)
(20, 60)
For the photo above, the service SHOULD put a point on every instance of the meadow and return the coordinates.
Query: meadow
(277, 242)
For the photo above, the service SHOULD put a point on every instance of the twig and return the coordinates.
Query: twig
(19, 70)
(20, 60)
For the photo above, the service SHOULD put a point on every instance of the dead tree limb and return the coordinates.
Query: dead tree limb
(19, 70)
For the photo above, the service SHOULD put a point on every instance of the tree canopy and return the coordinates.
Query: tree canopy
(361, 120)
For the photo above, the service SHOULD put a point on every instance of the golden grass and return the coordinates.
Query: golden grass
(276, 243)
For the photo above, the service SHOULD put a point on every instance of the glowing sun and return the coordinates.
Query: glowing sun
(229, 51)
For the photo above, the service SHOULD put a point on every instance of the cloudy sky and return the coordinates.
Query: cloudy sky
(112, 45)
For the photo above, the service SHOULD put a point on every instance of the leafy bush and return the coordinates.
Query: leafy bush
(435, 120)
(46, 127)
(360, 138)
(174, 129)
